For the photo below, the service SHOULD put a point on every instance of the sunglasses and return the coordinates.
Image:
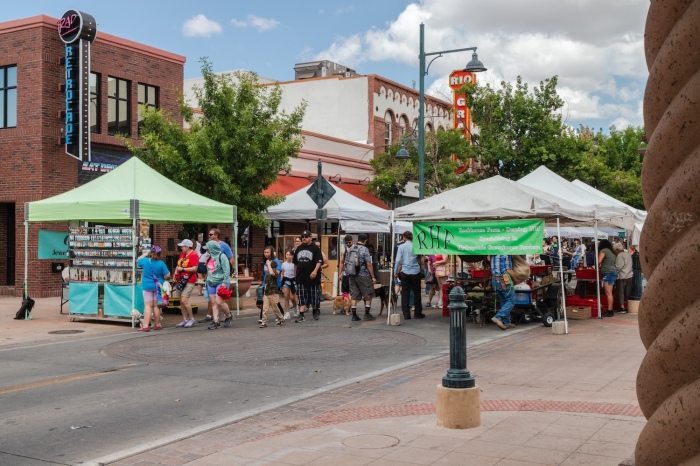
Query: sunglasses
(211, 234)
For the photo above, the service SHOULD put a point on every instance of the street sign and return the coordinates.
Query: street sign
(327, 192)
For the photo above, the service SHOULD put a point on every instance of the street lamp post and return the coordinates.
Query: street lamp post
(475, 66)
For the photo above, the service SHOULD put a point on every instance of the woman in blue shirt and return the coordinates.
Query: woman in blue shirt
(155, 272)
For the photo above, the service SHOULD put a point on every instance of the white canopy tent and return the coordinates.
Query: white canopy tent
(497, 198)
(639, 215)
(299, 207)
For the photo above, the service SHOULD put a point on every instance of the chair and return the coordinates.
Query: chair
(64, 295)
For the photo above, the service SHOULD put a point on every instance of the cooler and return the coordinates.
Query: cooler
(523, 294)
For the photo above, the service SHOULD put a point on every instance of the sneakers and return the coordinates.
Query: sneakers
(608, 313)
(622, 311)
(369, 317)
(419, 316)
(355, 318)
(439, 305)
(295, 309)
(287, 316)
(205, 320)
(316, 313)
(511, 325)
(227, 321)
(279, 322)
(182, 324)
(498, 322)
(263, 325)
(213, 326)
(300, 319)
(191, 323)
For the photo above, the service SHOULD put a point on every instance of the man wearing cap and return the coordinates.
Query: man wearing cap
(185, 275)
(307, 270)
(362, 284)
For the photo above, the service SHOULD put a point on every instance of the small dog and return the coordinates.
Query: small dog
(136, 316)
(342, 303)
(384, 296)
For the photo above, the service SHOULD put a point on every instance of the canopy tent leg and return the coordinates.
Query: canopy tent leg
(597, 272)
(562, 308)
(391, 272)
(26, 251)
(134, 245)
(235, 259)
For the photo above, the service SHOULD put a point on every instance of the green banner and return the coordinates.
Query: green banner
(53, 245)
(509, 237)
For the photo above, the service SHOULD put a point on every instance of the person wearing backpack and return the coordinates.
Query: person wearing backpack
(358, 267)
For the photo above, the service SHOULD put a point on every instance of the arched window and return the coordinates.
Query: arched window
(388, 123)
(390, 94)
(404, 125)
(382, 91)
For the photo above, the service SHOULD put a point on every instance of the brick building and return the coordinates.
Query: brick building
(34, 163)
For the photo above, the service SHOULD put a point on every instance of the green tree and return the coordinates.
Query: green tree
(519, 130)
(391, 175)
(233, 150)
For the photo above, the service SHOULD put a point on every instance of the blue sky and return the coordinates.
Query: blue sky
(594, 46)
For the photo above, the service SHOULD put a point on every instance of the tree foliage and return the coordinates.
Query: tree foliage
(392, 175)
(233, 150)
(520, 130)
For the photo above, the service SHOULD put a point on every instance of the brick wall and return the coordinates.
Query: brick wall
(31, 152)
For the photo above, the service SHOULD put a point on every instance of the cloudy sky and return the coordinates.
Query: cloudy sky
(594, 46)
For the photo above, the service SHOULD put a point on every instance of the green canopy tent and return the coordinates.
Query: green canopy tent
(130, 192)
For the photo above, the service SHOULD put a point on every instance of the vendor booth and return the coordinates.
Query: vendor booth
(342, 207)
(108, 234)
(497, 198)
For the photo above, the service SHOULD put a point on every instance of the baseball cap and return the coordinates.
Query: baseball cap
(185, 242)
(305, 233)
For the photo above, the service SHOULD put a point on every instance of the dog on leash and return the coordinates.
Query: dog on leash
(136, 316)
(342, 303)
(384, 296)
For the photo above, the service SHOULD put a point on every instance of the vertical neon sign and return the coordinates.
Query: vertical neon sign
(77, 30)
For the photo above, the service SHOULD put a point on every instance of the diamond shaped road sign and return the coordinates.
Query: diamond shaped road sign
(327, 192)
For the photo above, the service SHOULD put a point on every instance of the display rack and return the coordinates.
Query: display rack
(101, 276)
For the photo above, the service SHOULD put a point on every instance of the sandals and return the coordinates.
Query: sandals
(145, 329)
(158, 327)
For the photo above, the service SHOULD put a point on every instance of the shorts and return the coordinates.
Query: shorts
(361, 288)
(212, 289)
(309, 296)
(186, 292)
(202, 268)
(345, 285)
(289, 283)
(609, 278)
(149, 296)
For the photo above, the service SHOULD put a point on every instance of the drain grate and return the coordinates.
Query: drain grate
(65, 332)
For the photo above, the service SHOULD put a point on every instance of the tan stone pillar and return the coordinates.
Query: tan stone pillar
(668, 382)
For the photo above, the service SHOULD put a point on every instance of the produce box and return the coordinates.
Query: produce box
(479, 273)
(578, 312)
(540, 269)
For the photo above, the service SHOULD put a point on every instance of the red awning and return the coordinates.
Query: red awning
(286, 185)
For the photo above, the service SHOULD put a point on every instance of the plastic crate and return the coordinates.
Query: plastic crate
(540, 269)
(586, 273)
(479, 273)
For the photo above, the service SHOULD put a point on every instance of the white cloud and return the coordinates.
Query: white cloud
(200, 26)
(591, 45)
(256, 22)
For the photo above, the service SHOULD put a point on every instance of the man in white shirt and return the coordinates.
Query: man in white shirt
(408, 271)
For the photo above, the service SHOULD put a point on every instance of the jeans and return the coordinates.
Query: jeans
(412, 283)
(507, 299)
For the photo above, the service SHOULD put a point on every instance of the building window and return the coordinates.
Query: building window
(148, 96)
(95, 103)
(404, 126)
(388, 121)
(118, 121)
(8, 97)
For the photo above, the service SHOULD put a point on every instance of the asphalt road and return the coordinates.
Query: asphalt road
(80, 400)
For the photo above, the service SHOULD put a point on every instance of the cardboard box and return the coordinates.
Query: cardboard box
(578, 312)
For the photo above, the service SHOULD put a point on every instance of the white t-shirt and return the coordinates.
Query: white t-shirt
(65, 274)
(288, 269)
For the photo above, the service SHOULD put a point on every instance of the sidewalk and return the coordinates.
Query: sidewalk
(545, 399)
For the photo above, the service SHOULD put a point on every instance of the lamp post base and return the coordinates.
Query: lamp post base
(458, 408)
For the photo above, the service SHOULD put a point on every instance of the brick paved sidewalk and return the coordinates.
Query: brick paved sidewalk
(546, 399)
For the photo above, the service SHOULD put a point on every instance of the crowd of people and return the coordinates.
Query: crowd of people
(298, 278)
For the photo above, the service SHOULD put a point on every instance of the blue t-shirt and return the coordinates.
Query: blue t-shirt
(151, 267)
(277, 267)
(226, 249)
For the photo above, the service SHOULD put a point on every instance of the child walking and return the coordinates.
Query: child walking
(271, 276)
(289, 287)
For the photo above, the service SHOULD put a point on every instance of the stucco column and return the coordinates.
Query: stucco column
(668, 382)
